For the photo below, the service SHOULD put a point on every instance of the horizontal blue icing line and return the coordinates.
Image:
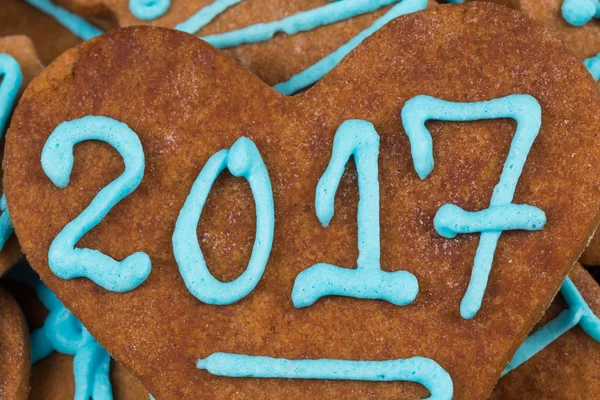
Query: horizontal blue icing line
(318, 70)
(580, 12)
(593, 65)
(77, 25)
(416, 369)
(578, 312)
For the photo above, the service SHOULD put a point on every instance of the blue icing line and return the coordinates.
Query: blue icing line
(578, 312)
(12, 78)
(526, 111)
(205, 15)
(64, 259)
(593, 65)
(242, 160)
(149, 9)
(416, 369)
(302, 21)
(580, 12)
(64, 333)
(358, 139)
(74, 23)
(318, 70)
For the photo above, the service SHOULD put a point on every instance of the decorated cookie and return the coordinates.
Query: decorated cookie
(14, 350)
(574, 21)
(289, 43)
(18, 65)
(67, 362)
(561, 359)
(408, 219)
(50, 37)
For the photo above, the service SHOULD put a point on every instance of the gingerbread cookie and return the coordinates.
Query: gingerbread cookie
(18, 65)
(291, 44)
(561, 360)
(14, 350)
(441, 297)
(67, 362)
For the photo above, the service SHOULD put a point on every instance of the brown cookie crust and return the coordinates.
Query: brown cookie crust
(15, 356)
(186, 101)
(569, 368)
(275, 60)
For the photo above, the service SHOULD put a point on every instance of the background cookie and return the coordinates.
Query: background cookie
(195, 102)
(274, 60)
(50, 37)
(569, 368)
(23, 51)
(14, 350)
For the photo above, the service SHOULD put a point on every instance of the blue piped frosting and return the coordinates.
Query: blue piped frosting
(502, 214)
(358, 139)
(593, 65)
(149, 9)
(64, 259)
(580, 12)
(77, 25)
(416, 369)
(577, 313)
(242, 160)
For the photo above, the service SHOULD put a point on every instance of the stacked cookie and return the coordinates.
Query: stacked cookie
(353, 199)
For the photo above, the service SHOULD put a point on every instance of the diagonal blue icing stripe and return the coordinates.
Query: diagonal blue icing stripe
(526, 111)
(79, 26)
(205, 15)
(577, 313)
(417, 369)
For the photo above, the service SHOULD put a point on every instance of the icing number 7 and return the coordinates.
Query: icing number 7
(64, 259)
(10, 71)
(502, 214)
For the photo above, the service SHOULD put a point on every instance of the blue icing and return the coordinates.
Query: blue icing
(74, 23)
(10, 72)
(64, 259)
(358, 139)
(149, 9)
(242, 160)
(64, 333)
(526, 111)
(578, 312)
(318, 70)
(580, 12)
(205, 15)
(593, 65)
(416, 369)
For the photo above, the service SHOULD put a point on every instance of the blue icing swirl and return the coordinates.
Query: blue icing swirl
(242, 160)
(502, 214)
(77, 25)
(149, 9)
(12, 78)
(580, 12)
(64, 259)
(416, 369)
(64, 333)
(358, 139)
(577, 313)
(593, 65)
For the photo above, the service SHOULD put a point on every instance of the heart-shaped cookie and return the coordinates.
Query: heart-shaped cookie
(568, 367)
(14, 350)
(178, 112)
(274, 39)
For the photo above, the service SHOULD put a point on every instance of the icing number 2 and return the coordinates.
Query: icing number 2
(64, 259)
